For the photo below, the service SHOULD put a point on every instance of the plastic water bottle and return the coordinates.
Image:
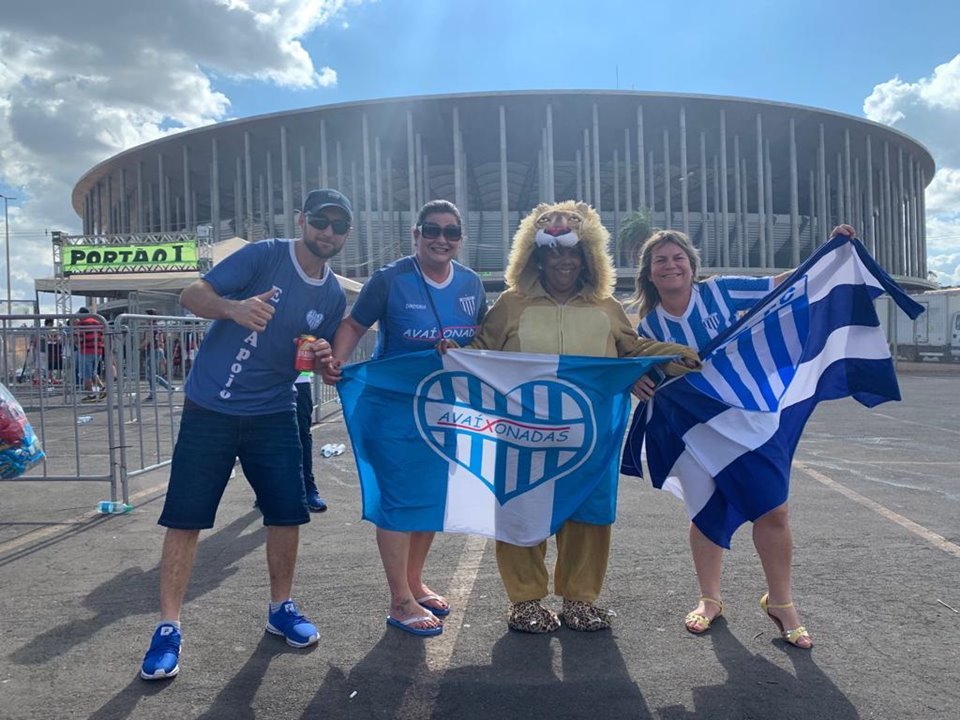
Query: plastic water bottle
(330, 449)
(110, 507)
(84, 419)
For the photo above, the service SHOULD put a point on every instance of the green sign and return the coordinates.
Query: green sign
(80, 259)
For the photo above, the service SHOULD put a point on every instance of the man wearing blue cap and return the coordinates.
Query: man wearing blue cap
(240, 404)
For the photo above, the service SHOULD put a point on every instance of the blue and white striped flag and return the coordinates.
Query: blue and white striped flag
(723, 441)
(507, 445)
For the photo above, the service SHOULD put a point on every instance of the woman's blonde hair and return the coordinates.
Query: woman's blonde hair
(645, 297)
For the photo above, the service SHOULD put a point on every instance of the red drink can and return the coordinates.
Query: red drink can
(304, 358)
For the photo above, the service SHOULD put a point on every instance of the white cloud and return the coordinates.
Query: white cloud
(929, 110)
(82, 81)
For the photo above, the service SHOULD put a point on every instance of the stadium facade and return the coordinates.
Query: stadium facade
(756, 184)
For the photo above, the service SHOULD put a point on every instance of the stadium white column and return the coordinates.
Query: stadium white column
(390, 216)
(841, 200)
(504, 188)
(262, 204)
(418, 168)
(724, 197)
(108, 181)
(139, 198)
(768, 194)
(902, 245)
(684, 199)
(923, 223)
(427, 191)
(616, 203)
(542, 167)
(887, 209)
(285, 185)
(411, 179)
(813, 211)
(237, 195)
(857, 198)
(667, 188)
(914, 225)
(820, 234)
(341, 186)
(378, 175)
(270, 228)
(124, 205)
(457, 158)
(248, 185)
(641, 160)
(550, 167)
(324, 160)
(163, 193)
(871, 226)
(587, 195)
(717, 238)
(704, 229)
(189, 208)
(761, 191)
(651, 184)
(628, 167)
(596, 158)
(214, 189)
(303, 175)
(744, 247)
(367, 227)
(847, 197)
(738, 204)
(794, 198)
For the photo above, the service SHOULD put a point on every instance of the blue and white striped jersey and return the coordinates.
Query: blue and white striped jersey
(714, 306)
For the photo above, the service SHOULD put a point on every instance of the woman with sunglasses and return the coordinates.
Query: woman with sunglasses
(559, 300)
(416, 301)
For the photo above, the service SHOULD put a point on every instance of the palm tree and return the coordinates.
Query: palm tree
(634, 229)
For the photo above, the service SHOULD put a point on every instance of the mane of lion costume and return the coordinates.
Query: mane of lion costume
(599, 277)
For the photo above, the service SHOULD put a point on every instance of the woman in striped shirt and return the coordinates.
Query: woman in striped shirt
(673, 306)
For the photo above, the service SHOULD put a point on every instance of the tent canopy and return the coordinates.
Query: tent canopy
(118, 285)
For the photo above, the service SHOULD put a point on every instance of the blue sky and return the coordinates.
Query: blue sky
(85, 82)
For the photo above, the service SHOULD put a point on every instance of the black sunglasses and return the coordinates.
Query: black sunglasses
(431, 231)
(322, 222)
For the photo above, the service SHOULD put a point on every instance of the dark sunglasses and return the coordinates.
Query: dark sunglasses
(431, 231)
(322, 222)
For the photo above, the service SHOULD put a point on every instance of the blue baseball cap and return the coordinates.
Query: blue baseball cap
(319, 199)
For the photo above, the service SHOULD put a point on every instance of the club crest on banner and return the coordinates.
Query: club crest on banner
(539, 431)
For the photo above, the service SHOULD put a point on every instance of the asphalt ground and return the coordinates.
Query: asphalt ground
(876, 517)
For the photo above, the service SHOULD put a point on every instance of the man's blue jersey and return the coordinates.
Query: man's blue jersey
(243, 372)
(714, 306)
(407, 304)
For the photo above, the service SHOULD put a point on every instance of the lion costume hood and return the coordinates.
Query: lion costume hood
(599, 277)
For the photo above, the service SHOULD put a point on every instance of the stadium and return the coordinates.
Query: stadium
(757, 185)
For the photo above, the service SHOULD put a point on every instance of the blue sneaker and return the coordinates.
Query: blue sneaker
(315, 502)
(288, 621)
(163, 658)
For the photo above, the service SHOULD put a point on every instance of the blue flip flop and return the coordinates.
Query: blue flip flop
(407, 625)
(437, 612)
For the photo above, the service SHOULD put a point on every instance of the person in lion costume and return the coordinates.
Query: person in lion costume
(559, 300)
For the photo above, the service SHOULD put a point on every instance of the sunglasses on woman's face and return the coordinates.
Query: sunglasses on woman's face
(322, 222)
(431, 231)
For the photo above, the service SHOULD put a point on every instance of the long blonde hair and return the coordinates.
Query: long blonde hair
(645, 297)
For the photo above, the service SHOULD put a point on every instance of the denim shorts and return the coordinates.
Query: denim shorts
(209, 443)
(88, 365)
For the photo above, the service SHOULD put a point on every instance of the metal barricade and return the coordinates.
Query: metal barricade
(155, 353)
(58, 369)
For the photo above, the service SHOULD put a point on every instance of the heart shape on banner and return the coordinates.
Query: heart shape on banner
(536, 432)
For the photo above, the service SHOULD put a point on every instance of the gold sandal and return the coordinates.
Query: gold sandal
(703, 621)
(791, 636)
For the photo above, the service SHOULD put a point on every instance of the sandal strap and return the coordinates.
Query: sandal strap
(780, 606)
(791, 636)
(718, 603)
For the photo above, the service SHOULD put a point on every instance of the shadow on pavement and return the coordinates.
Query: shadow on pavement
(755, 687)
(521, 679)
(380, 680)
(135, 592)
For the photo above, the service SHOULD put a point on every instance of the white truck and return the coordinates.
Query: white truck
(934, 335)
